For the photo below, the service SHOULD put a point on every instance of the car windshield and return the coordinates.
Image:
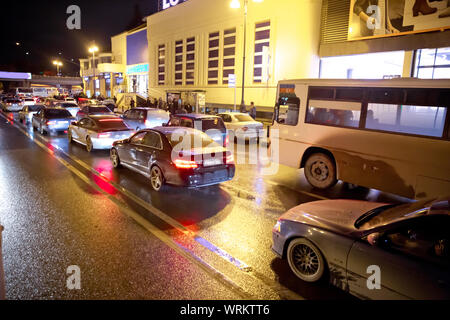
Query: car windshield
(99, 110)
(57, 113)
(388, 213)
(112, 124)
(184, 140)
(243, 117)
(35, 107)
(209, 124)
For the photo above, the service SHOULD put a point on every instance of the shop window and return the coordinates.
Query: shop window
(337, 113)
(161, 64)
(229, 53)
(420, 120)
(213, 58)
(190, 60)
(261, 58)
(432, 63)
(179, 46)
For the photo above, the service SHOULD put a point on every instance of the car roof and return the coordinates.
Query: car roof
(195, 115)
(170, 130)
(97, 117)
(234, 113)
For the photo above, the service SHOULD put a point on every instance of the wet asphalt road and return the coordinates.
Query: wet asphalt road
(62, 206)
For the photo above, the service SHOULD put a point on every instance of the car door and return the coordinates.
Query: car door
(76, 129)
(411, 265)
(89, 129)
(149, 150)
(130, 150)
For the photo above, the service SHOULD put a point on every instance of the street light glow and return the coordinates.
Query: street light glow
(235, 4)
(93, 49)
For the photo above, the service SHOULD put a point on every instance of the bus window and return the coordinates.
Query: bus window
(287, 112)
(420, 120)
(334, 113)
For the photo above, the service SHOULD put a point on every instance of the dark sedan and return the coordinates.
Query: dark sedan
(176, 156)
(52, 120)
(93, 110)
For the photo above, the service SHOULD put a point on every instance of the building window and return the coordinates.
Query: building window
(262, 45)
(229, 53)
(432, 63)
(190, 60)
(161, 64)
(213, 58)
(179, 62)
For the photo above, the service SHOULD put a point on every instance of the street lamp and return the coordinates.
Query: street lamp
(236, 4)
(93, 50)
(58, 64)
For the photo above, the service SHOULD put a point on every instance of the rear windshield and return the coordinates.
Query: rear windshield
(68, 105)
(99, 110)
(57, 113)
(243, 118)
(35, 107)
(208, 124)
(112, 124)
(190, 140)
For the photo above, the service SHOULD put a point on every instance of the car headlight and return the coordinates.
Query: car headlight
(277, 227)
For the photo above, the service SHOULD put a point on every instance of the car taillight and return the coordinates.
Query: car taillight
(227, 141)
(244, 128)
(104, 135)
(230, 159)
(49, 123)
(185, 164)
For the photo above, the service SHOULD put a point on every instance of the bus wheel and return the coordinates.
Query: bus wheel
(320, 171)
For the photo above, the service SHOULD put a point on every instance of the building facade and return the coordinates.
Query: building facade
(196, 48)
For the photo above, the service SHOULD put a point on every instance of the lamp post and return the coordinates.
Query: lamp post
(58, 64)
(93, 50)
(236, 4)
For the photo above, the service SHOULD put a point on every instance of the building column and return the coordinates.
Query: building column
(408, 64)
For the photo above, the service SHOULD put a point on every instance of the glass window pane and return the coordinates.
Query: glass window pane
(442, 73)
(333, 117)
(428, 121)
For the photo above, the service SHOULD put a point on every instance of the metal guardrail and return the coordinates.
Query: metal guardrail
(2, 273)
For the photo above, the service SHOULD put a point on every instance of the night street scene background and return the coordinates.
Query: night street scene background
(226, 154)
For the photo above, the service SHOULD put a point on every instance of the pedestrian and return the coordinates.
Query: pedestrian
(183, 110)
(160, 104)
(115, 100)
(252, 110)
(148, 103)
(132, 103)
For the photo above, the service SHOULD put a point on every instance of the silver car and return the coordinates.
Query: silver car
(145, 118)
(98, 131)
(26, 114)
(49, 120)
(12, 105)
(72, 107)
(372, 250)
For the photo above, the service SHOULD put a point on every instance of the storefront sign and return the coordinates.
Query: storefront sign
(139, 68)
(166, 4)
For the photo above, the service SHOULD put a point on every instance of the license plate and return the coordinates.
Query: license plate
(62, 122)
(212, 162)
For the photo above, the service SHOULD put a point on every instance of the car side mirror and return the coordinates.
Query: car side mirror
(374, 238)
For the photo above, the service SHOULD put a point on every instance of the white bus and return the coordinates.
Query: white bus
(390, 135)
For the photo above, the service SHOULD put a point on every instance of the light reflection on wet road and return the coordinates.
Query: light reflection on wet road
(236, 217)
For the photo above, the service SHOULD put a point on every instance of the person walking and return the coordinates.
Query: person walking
(253, 110)
(132, 103)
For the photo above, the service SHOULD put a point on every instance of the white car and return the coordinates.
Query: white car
(12, 104)
(72, 107)
(242, 125)
(28, 102)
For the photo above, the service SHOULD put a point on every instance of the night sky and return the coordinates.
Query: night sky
(40, 28)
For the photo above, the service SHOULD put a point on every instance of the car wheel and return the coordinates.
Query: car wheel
(89, 145)
(69, 136)
(320, 171)
(305, 260)
(115, 158)
(157, 178)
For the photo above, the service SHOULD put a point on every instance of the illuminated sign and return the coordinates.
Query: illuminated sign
(15, 75)
(138, 68)
(166, 4)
